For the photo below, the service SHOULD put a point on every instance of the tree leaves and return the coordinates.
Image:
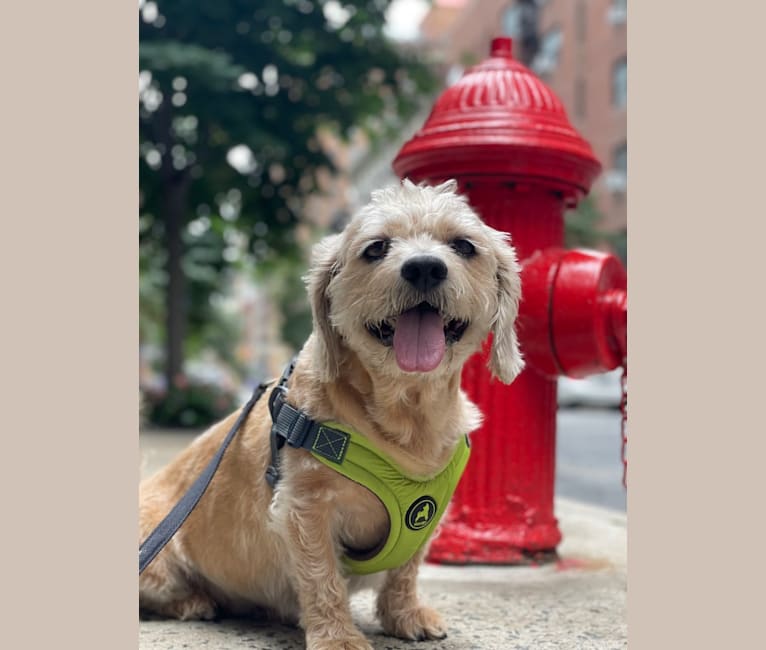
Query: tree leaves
(224, 81)
(212, 68)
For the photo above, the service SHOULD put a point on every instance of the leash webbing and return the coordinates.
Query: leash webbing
(165, 530)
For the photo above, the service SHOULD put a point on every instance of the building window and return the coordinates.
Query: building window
(519, 21)
(620, 83)
(620, 158)
(617, 177)
(617, 13)
(547, 58)
(579, 98)
(512, 21)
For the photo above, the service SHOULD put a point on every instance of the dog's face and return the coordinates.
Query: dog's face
(414, 284)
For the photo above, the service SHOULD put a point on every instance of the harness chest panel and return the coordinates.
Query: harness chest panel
(414, 505)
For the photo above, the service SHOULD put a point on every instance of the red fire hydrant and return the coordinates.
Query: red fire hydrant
(506, 138)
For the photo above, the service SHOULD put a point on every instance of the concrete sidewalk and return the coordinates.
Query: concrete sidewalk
(577, 603)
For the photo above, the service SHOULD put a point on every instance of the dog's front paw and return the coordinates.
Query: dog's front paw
(350, 642)
(416, 624)
(196, 607)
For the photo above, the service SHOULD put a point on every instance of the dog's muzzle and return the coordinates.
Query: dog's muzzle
(419, 336)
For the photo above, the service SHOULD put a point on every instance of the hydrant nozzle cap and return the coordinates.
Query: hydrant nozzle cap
(502, 46)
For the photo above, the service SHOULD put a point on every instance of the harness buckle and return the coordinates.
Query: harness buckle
(272, 476)
(276, 400)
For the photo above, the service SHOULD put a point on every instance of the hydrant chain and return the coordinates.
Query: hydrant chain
(624, 410)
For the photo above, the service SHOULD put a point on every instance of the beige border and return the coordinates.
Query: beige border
(69, 333)
(695, 125)
(70, 324)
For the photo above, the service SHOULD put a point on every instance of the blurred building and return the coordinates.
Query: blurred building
(578, 47)
(260, 348)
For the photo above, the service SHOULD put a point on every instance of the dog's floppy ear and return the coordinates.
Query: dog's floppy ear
(506, 360)
(324, 265)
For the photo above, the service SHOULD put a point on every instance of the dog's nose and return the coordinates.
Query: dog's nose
(424, 272)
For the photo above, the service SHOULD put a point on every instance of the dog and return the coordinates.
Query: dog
(424, 514)
(400, 299)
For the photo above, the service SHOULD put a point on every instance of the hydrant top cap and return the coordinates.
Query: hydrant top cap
(502, 46)
(500, 119)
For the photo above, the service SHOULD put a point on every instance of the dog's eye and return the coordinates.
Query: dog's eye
(376, 251)
(463, 247)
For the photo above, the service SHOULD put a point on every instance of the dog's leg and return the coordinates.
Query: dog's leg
(322, 590)
(399, 610)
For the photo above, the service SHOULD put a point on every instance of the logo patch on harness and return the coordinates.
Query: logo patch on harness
(420, 513)
(331, 443)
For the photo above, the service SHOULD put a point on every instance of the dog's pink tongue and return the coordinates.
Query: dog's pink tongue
(419, 340)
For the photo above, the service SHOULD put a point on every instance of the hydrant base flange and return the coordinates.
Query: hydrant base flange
(462, 543)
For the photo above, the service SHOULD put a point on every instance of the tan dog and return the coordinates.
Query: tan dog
(400, 300)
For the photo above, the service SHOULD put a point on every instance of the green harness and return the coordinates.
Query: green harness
(414, 504)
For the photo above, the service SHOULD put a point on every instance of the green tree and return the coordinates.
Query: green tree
(231, 96)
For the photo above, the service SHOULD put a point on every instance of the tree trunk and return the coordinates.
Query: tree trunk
(175, 330)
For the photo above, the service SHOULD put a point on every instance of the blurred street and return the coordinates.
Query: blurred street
(588, 464)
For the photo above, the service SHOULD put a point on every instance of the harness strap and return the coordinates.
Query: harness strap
(297, 429)
(280, 435)
(168, 527)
